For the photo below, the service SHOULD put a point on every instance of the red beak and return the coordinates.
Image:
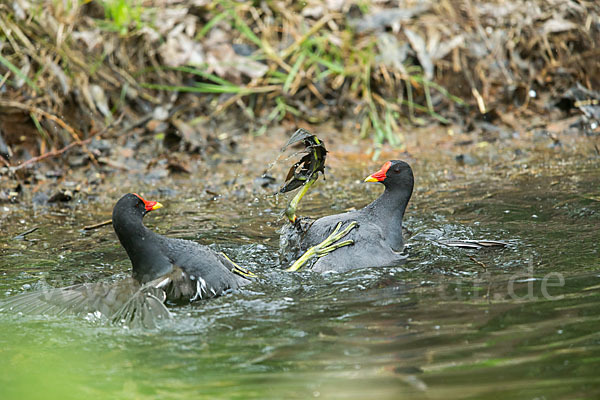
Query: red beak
(380, 175)
(150, 205)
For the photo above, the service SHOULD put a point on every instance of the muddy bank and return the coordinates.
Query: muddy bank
(246, 169)
(180, 90)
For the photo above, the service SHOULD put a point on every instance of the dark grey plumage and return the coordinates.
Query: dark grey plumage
(377, 239)
(163, 269)
(186, 270)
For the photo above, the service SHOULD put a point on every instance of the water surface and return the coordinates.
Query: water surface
(519, 322)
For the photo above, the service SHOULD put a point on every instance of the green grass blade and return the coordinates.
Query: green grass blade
(18, 73)
(420, 79)
(292, 75)
(334, 67)
(424, 109)
(210, 24)
(206, 75)
(245, 30)
(40, 129)
(212, 88)
(199, 88)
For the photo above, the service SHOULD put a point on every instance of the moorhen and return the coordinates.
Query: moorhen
(185, 270)
(164, 268)
(373, 234)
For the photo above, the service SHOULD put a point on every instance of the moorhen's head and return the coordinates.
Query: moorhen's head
(394, 174)
(133, 206)
(140, 243)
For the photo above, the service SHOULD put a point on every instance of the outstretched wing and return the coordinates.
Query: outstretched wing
(122, 301)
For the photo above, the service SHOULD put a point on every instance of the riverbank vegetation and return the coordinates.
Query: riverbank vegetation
(189, 74)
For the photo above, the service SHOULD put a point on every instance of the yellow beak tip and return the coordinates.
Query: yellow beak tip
(371, 179)
(157, 206)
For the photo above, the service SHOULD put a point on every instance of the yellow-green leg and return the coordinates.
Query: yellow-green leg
(240, 270)
(290, 211)
(328, 245)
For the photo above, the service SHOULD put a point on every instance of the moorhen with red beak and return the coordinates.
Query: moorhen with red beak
(185, 270)
(372, 235)
(164, 269)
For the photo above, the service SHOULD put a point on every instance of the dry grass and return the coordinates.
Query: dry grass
(72, 70)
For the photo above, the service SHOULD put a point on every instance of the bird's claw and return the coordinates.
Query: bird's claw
(331, 243)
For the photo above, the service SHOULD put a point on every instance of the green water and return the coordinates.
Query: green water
(520, 322)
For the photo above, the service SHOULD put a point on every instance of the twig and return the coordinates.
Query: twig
(316, 92)
(57, 120)
(226, 104)
(471, 81)
(314, 29)
(98, 225)
(473, 14)
(53, 153)
(478, 262)
(21, 236)
(45, 114)
(115, 122)
(4, 79)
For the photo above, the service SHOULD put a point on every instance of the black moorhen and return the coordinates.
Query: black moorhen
(373, 234)
(185, 270)
(163, 269)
